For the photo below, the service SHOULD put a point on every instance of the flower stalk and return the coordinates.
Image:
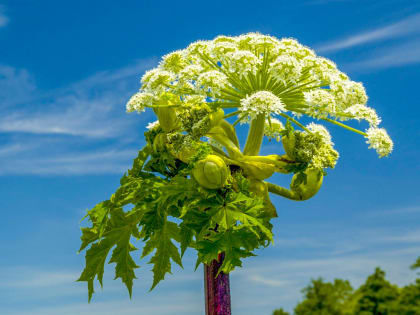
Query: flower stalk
(216, 289)
(255, 135)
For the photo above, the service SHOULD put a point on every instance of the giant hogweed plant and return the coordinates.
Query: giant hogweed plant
(193, 168)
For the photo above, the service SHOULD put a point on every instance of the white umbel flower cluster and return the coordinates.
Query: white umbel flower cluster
(256, 74)
(378, 139)
(359, 112)
(211, 82)
(139, 101)
(321, 103)
(262, 102)
(175, 61)
(286, 68)
(155, 80)
(243, 62)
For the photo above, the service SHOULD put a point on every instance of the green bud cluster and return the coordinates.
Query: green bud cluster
(195, 120)
(310, 148)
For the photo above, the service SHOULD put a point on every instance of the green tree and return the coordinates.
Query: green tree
(280, 311)
(377, 296)
(409, 302)
(325, 298)
(416, 264)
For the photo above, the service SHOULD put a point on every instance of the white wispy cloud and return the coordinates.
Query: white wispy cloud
(389, 57)
(16, 86)
(29, 278)
(408, 237)
(407, 26)
(3, 17)
(269, 281)
(172, 303)
(93, 107)
(81, 128)
(70, 162)
(401, 211)
(303, 242)
(11, 149)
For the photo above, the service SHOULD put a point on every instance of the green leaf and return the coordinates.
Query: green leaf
(95, 260)
(89, 235)
(139, 161)
(165, 251)
(119, 229)
(125, 264)
(228, 216)
(186, 235)
(99, 216)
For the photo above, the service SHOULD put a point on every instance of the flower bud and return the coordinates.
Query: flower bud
(314, 179)
(211, 172)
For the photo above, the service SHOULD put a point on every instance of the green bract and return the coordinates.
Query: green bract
(193, 168)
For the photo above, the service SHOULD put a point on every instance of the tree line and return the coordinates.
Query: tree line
(377, 296)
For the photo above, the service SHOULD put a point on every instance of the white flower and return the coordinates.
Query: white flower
(262, 102)
(139, 101)
(321, 130)
(257, 41)
(197, 48)
(155, 80)
(273, 130)
(321, 69)
(359, 111)
(221, 48)
(190, 72)
(348, 93)
(293, 48)
(175, 61)
(242, 62)
(286, 68)
(378, 139)
(211, 81)
(152, 125)
(321, 103)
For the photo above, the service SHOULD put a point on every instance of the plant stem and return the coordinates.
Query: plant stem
(284, 192)
(294, 121)
(255, 135)
(216, 289)
(345, 126)
(232, 114)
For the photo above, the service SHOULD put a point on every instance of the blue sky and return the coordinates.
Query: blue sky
(67, 69)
